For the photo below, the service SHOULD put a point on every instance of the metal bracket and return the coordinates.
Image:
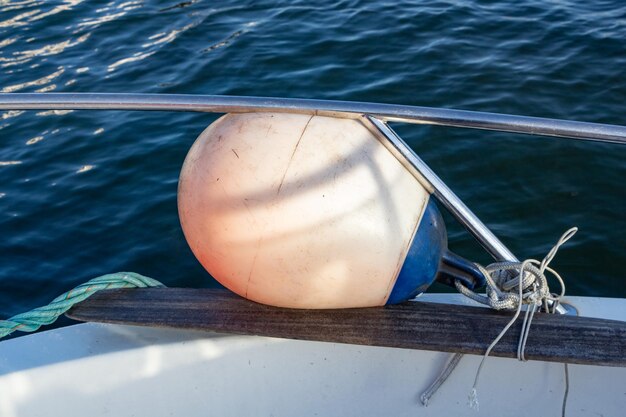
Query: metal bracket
(443, 193)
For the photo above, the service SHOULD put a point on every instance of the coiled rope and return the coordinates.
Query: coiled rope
(34, 319)
(510, 285)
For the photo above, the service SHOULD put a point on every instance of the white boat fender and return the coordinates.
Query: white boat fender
(304, 211)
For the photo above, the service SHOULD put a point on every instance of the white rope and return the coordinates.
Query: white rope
(531, 287)
(509, 286)
(432, 389)
(564, 406)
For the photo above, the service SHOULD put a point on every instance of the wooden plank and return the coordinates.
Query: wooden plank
(413, 325)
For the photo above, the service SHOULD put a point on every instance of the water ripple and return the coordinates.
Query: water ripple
(74, 183)
(38, 82)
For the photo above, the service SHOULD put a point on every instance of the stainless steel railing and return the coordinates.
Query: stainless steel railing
(385, 112)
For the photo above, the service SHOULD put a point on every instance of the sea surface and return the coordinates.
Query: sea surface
(85, 193)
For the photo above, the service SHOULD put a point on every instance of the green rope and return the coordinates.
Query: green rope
(34, 319)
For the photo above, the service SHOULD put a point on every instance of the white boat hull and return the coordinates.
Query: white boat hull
(101, 370)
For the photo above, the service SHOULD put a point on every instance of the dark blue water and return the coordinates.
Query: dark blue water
(88, 193)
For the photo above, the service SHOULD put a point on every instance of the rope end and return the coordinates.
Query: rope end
(473, 400)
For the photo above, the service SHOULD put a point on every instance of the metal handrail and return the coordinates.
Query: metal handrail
(386, 112)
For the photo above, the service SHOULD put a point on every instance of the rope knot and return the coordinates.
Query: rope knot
(509, 286)
(512, 284)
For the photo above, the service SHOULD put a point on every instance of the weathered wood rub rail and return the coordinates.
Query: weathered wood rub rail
(413, 325)
(386, 112)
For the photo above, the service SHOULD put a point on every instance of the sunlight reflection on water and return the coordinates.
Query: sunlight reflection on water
(86, 193)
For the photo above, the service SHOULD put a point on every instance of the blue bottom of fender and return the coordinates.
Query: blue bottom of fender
(423, 258)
